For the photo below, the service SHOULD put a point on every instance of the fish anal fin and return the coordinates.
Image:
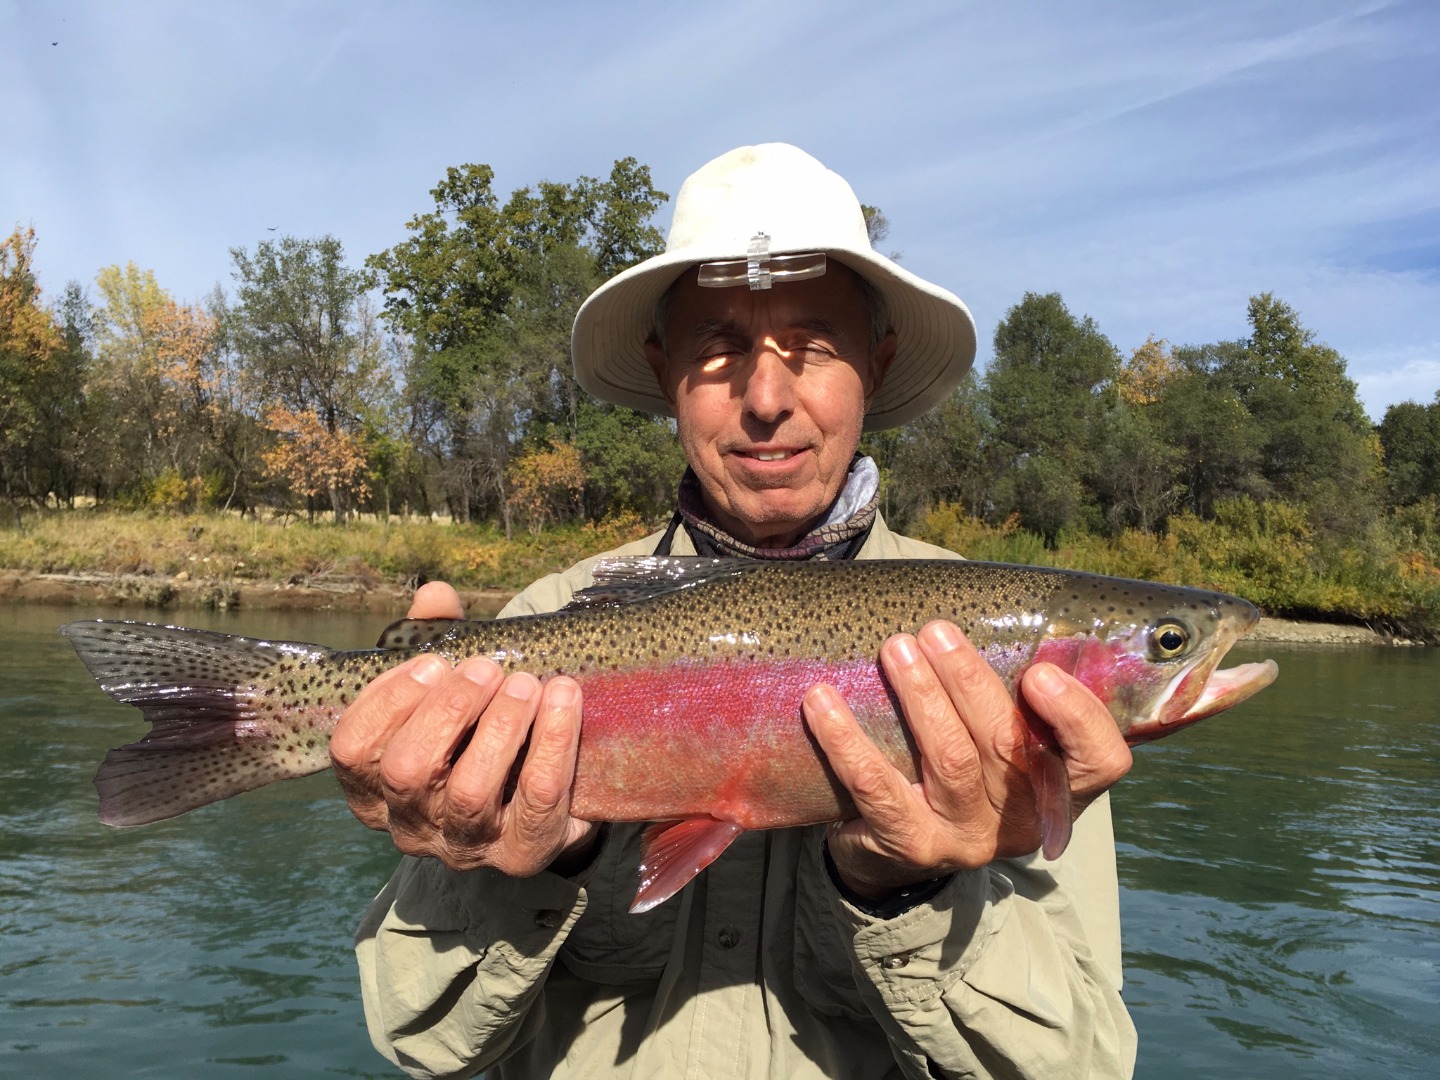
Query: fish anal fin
(673, 852)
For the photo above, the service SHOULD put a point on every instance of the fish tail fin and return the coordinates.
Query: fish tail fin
(674, 852)
(210, 737)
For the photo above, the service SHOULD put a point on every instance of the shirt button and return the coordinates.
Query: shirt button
(890, 963)
(728, 937)
(547, 919)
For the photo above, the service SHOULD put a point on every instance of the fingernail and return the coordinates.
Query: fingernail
(480, 672)
(822, 698)
(944, 636)
(906, 649)
(1045, 679)
(561, 693)
(520, 687)
(428, 671)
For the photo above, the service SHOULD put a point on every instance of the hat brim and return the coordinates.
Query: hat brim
(935, 335)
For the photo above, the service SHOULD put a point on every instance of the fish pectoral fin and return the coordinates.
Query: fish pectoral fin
(1050, 781)
(673, 852)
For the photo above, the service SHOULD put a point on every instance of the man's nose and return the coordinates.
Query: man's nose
(770, 389)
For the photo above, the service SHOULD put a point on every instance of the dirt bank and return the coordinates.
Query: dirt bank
(182, 593)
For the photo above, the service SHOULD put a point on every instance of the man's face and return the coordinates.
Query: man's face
(769, 390)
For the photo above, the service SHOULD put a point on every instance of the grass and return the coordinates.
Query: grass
(398, 552)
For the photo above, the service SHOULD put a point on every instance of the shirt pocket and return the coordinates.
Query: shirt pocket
(608, 944)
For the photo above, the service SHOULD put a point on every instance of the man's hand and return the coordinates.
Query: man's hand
(973, 802)
(397, 752)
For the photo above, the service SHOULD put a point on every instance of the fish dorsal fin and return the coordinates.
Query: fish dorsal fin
(626, 579)
(415, 633)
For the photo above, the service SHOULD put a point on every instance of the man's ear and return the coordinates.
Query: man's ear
(660, 365)
(880, 361)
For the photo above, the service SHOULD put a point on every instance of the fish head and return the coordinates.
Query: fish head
(1152, 652)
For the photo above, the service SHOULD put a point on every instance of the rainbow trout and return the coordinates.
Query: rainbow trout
(693, 672)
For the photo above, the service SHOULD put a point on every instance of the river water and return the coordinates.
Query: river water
(1280, 868)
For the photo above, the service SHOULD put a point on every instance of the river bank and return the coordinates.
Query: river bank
(181, 592)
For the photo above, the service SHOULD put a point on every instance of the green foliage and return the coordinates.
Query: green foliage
(633, 461)
(488, 294)
(1410, 436)
(1048, 390)
(1267, 552)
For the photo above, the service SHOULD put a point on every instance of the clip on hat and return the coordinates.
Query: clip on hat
(759, 269)
(762, 216)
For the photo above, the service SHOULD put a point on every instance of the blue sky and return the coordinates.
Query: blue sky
(1155, 163)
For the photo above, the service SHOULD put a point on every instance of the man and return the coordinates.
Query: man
(924, 938)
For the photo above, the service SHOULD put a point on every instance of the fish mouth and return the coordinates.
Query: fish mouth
(1228, 687)
(1204, 689)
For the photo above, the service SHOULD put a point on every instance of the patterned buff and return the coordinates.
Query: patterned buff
(839, 536)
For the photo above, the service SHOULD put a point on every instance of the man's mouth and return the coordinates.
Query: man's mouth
(771, 453)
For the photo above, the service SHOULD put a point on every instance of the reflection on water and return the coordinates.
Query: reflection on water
(1281, 888)
(1281, 895)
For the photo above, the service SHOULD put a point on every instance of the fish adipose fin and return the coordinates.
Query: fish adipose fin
(197, 690)
(673, 852)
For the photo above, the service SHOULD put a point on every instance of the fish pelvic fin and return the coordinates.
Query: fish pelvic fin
(198, 691)
(672, 853)
(1050, 781)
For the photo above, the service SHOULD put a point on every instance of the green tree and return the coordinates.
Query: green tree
(488, 292)
(1200, 412)
(947, 454)
(1049, 388)
(1319, 448)
(1410, 435)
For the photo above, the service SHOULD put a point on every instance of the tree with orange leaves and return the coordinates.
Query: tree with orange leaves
(315, 461)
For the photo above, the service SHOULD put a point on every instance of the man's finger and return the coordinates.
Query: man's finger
(537, 821)
(475, 790)
(436, 600)
(380, 709)
(1094, 749)
(881, 794)
(417, 758)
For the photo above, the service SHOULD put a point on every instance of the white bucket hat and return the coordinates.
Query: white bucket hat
(802, 206)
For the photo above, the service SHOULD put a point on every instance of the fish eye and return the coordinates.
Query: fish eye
(1169, 639)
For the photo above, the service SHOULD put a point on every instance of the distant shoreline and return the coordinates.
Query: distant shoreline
(163, 593)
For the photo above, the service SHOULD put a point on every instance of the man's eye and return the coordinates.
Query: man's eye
(812, 350)
(713, 360)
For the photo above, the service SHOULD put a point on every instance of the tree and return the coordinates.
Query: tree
(1410, 435)
(1049, 387)
(32, 350)
(947, 454)
(1318, 447)
(488, 294)
(125, 384)
(303, 328)
(313, 460)
(1200, 413)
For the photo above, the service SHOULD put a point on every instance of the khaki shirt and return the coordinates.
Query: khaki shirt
(758, 967)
